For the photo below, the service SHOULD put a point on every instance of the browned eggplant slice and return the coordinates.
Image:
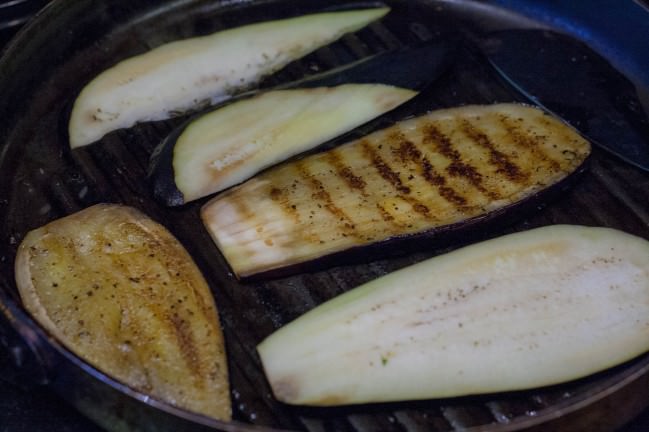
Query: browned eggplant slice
(228, 145)
(121, 292)
(438, 173)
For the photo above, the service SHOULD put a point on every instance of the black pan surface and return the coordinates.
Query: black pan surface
(41, 180)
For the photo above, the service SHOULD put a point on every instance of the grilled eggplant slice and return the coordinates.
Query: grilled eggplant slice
(521, 311)
(178, 76)
(235, 141)
(121, 292)
(442, 172)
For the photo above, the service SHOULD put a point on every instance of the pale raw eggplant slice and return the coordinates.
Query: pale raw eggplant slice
(178, 76)
(121, 292)
(522, 311)
(233, 142)
(433, 176)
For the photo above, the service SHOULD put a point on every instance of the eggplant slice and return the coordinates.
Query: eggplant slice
(425, 176)
(121, 292)
(521, 311)
(230, 144)
(181, 75)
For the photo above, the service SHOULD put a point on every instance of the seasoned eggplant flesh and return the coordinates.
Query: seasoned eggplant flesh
(520, 311)
(229, 145)
(420, 175)
(121, 292)
(179, 76)
(236, 140)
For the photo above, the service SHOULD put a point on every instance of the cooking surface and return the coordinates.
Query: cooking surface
(57, 182)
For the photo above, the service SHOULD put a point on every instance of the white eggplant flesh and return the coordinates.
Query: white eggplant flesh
(181, 75)
(426, 177)
(233, 143)
(521, 311)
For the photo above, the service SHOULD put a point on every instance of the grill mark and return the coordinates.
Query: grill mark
(319, 193)
(384, 169)
(345, 172)
(126, 327)
(435, 138)
(281, 198)
(528, 141)
(172, 321)
(206, 307)
(187, 345)
(408, 151)
(497, 158)
(393, 178)
(241, 208)
(357, 183)
(387, 217)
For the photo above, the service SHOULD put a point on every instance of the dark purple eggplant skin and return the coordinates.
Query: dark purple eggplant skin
(414, 68)
(454, 235)
(161, 171)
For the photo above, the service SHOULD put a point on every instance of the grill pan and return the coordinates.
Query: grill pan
(41, 179)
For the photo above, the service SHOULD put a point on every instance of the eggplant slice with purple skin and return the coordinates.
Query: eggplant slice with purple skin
(236, 140)
(430, 177)
(516, 312)
(181, 75)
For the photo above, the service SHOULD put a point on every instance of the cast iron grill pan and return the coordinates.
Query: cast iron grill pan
(41, 180)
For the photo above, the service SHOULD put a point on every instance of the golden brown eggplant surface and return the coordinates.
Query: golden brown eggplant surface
(421, 174)
(121, 292)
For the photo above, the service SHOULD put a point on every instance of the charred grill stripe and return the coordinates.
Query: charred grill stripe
(129, 327)
(345, 172)
(393, 178)
(436, 139)
(405, 150)
(528, 141)
(321, 194)
(242, 210)
(497, 158)
(384, 169)
(387, 217)
(281, 198)
(408, 151)
(205, 306)
(172, 321)
(357, 183)
(187, 345)
(420, 208)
